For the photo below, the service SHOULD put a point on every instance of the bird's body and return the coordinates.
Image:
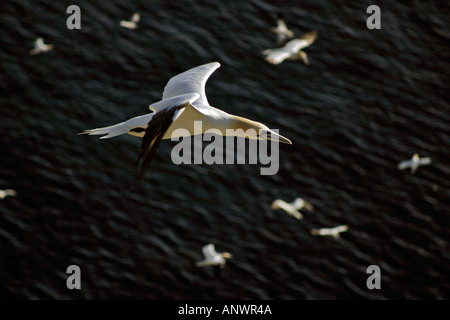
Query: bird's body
(282, 31)
(132, 23)
(213, 258)
(291, 50)
(183, 103)
(40, 47)
(414, 163)
(334, 232)
(7, 192)
(293, 209)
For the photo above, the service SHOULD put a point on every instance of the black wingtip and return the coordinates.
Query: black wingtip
(154, 132)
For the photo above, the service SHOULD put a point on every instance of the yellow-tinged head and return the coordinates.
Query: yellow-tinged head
(245, 128)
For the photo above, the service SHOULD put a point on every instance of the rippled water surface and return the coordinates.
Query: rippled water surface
(368, 100)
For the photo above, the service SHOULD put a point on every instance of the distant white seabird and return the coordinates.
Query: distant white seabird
(40, 47)
(184, 102)
(292, 208)
(132, 23)
(414, 163)
(330, 231)
(7, 192)
(212, 258)
(282, 31)
(292, 50)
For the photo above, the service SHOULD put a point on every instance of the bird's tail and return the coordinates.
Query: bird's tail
(135, 126)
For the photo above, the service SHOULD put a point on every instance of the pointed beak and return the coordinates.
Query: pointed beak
(271, 135)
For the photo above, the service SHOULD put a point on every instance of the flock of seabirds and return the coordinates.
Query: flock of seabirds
(184, 101)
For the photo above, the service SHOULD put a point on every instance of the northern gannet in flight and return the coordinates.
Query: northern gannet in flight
(183, 102)
(132, 23)
(40, 46)
(292, 50)
(414, 163)
(330, 231)
(7, 192)
(292, 208)
(212, 258)
(282, 31)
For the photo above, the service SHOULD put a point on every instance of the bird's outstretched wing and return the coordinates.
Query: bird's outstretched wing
(166, 112)
(295, 45)
(404, 164)
(135, 17)
(191, 81)
(276, 56)
(282, 31)
(154, 132)
(39, 43)
(342, 228)
(424, 161)
(209, 251)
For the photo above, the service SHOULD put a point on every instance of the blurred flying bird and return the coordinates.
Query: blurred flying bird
(414, 163)
(292, 50)
(282, 31)
(330, 231)
(40, 47)
(292, 208)
(132, 23)
(213, 258)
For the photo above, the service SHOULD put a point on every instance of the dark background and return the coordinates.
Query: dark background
(368, 100)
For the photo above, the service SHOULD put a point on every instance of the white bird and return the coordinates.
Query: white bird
(7, 192)
(183, 103)
(330, 231)
(212, 258)
(132, 23)
(414, 163)
(292, 208)
(282, 31)
(292, 50)
(40, 47)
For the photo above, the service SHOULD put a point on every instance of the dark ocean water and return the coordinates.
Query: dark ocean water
(368, 100)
